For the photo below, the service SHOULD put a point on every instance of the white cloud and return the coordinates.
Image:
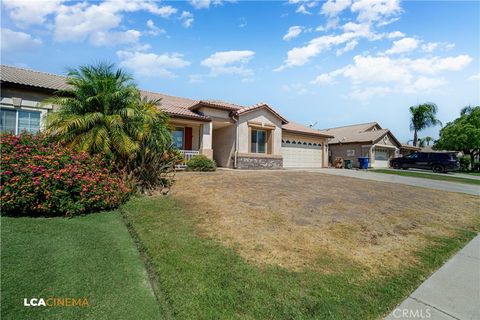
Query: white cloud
(303, 10)
(375, 10)
(151, 64)
(14, 42)
(200, 4)
(348, 47)
(301, 55)
(332, 8)
(204, 4)
(475, 77)
(187, 19)
(97, 22)
(432, 46)
(425, 84)
(28, 12)
(369, 73)
(365, 94)
(403, 45)
(229, 62)
(293, 32)
(324, 78)
(395, 34)
(111, 38)
(153, 29)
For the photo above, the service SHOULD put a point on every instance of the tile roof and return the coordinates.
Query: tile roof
(362, 132)
(217, 104)
(174, 106)
(300, 128)
(260, 106)
(32, 78)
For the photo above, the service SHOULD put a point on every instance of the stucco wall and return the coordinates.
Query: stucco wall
(390, 141)
(224, 146)
(30, 100)
(261, 116)
(215, 113)
(25, 94)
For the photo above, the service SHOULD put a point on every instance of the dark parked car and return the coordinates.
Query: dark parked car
(436, 161)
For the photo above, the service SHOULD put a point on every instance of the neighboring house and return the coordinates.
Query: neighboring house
(363, 140)
(233, 135)
(406, 149)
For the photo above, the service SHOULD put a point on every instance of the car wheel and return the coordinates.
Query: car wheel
(438, 168)
(396, 165)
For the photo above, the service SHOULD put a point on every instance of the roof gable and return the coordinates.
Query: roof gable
(259, 106)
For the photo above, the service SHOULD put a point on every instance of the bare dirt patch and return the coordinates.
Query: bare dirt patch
(299, 219)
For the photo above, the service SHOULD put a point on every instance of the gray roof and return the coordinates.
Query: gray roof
(369, 132)
(32, 78)
(300, 128)
(174, 106)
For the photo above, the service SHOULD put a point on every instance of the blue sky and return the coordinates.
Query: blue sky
(331, 63)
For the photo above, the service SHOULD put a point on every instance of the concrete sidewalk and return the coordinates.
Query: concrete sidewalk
(452, 292)
(412, 181)
(449, 174)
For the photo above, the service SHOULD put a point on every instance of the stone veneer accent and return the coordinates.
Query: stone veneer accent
(253, 162)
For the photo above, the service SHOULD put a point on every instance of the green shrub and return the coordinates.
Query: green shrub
(201, 163)
(476, 167)
(42, 178)
(464, 163)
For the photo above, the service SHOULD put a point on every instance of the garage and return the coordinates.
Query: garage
(301, 154)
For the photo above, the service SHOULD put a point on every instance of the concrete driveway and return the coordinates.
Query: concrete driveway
(417, 182)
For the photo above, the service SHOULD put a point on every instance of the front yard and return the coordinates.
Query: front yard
(240, 245)
(293, 245)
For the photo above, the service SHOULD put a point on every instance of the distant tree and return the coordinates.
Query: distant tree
(462, 134)
(421, 142)
(428, 140)
(423, 116)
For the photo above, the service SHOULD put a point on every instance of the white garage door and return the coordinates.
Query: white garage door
(301, 154)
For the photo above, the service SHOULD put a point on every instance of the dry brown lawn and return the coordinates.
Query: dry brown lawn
(299, 219)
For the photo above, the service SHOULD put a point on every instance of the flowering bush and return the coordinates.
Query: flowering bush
(42, 178)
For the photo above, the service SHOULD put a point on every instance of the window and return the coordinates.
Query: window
(350, 152)
(16, 121)
(178, 137)
(258, 141)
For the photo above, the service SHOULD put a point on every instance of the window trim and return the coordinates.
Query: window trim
(256, 144)
(17, 119)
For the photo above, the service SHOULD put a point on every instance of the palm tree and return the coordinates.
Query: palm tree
(423, 116)
(103, 112)
(428, 139)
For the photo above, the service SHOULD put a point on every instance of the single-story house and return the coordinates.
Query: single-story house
(363, 140)
(233, 135)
